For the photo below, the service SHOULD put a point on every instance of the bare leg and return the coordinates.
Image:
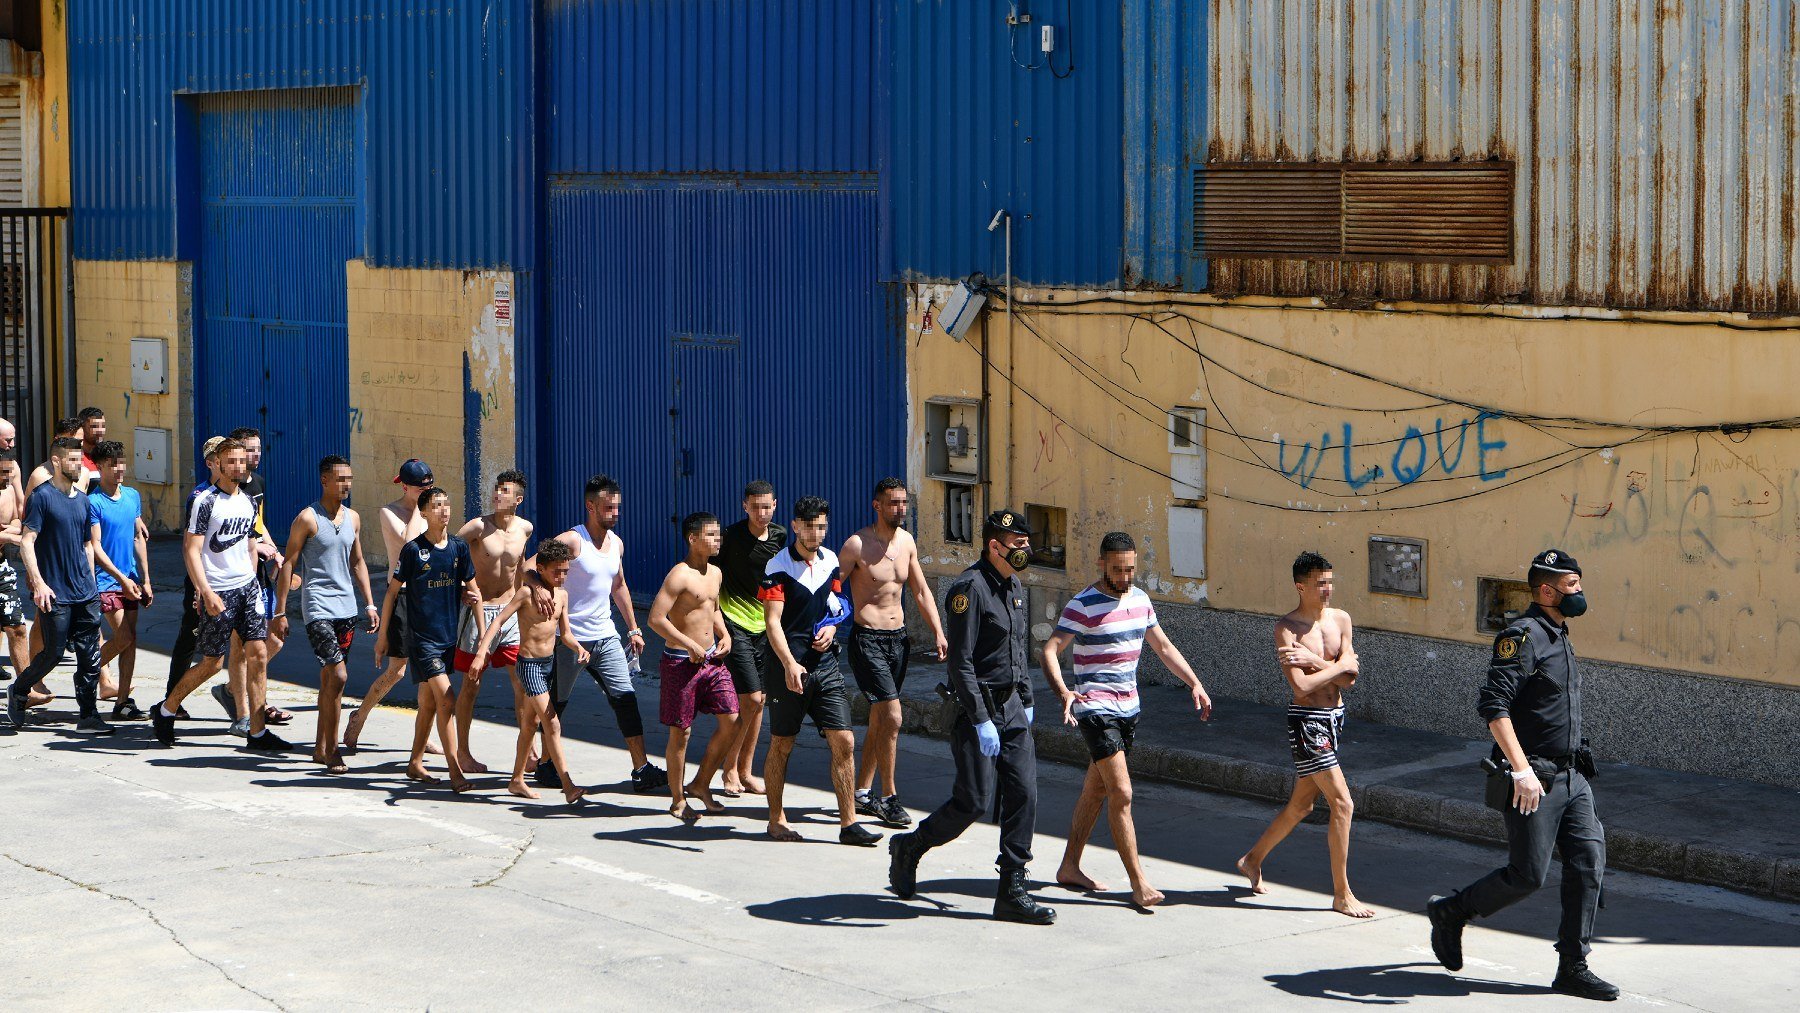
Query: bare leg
(776, 771)
(193, 680)
(1299, 804)
(880, 746)
(528, 729)
(1337, 795)
(1081, 827)
(445, 714)
(718, 748)
(843, 773)
(546, 716)
(255, 683)
(17, 639)
(740, 769)
(520, 703)
(331, 701)
(465, 716)
(121, 646)
(415, 766)
(1117, 778)
(234, 683)
(391, 676)
(675, 758)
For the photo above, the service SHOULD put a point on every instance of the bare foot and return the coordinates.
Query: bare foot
(700, 794)
(1146, 896)
(433, 748)
(36, 698)
(573, 795)
(461, 784)
(685, 813)
(1075, 879)
(531, 760)
(730, 788)
(753, 785)
(517, 786)
(1252, 870)
(1349, 905)
(109, 691)
(418, 773)
(354, 729)
(784, 833)
(471, 765)
(337, 766)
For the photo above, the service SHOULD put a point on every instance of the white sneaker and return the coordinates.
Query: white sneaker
(241, 728)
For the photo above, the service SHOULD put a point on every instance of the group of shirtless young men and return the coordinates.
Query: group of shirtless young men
(750, 619)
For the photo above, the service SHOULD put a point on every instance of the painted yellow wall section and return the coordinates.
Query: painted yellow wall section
(53, 115)
(115, 302)
(409, 333)
(1690, 540)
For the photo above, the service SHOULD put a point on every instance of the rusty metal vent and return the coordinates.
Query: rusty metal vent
(1418, 212)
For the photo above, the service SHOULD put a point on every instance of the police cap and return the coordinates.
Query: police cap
(1555, 561)
(1008, 520)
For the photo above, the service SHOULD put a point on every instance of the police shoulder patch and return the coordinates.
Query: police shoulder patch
(959, 603)
(1507, 648)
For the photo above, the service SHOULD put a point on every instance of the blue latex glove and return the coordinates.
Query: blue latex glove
(1030, 714)
(989, 738)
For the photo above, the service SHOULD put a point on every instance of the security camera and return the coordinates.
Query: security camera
(999, 218)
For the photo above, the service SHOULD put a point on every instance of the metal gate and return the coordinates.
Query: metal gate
(33, 257)
(277, 208)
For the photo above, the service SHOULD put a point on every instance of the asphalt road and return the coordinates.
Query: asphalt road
(203, 877)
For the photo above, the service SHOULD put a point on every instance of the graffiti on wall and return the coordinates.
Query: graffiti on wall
(1470, 446)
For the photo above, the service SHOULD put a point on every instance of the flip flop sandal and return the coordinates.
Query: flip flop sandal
(128, 711)
(276, 716)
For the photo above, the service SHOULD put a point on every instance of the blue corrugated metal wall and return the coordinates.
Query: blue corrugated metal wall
(974, 132)
(275, 166)
(782, 275)
(457, 194)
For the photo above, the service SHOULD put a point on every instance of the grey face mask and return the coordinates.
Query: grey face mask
(1573, 605)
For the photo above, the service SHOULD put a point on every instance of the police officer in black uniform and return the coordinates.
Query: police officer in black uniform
(1532, 703)
(990, 681)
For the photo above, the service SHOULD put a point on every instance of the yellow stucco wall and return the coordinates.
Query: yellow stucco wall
(1690, 540)
(410, 331)
(53, 109)
(115, 302)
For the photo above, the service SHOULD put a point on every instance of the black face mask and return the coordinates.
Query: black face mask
(1573, 605)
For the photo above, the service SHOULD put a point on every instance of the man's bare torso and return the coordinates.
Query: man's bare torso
(878, 569)
(401, 522)
(1324, 638)
(497, 553)
(537, 632)
(696, 601)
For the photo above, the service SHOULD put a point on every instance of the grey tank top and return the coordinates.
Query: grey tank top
(325, 588)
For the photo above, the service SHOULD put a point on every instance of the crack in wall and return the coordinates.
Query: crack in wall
(174, 936)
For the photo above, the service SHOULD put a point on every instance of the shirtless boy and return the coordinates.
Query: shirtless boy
(497, 544)
(694, 677)
(435, 571)
(12, 533)
(1312, 645)
(401, 522)
(538, 633)
(879, 564)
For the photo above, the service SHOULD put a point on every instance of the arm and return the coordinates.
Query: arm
(140, 546)
(921, 591)
(359, 569)
(12, 532)
(1513, 662)
(387, 615)
(960, 658)
(1352, 667)
(470, 533)
(203, 592)
(1053, 648)
(1165, 649)
(41, 595)
(621, 596)
(1295, 658)
(795, 675)
(99, 560)
(659, 618)
(486, 643)
(298, 533)
(721, 634)
(568, 633)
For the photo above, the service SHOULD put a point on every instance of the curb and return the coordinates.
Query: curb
(1632, 850)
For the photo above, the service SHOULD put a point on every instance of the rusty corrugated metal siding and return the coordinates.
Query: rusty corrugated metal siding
(1654, 143)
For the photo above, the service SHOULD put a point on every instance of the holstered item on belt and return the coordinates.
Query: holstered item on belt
(1584, 761)
(949, 697)
(1499, 786)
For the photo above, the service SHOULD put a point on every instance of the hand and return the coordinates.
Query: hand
(479, 664)
(147, 596)
(581, 655)
(1202, 702)
(374, 615)
(796, 678)
(1069, 703)
(380, 652)
(943, 647)
(471, 597)
(279, 624)
(266, 551)
(211, 602)
(542, 598)
(636, 638)
(722, 648)
(988, 737)
(822, 642)
(1528, 792)
(129, 588)
(1300, 657)
(43, 597)
(1030, 714)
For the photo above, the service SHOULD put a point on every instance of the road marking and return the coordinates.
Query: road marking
(626, 875)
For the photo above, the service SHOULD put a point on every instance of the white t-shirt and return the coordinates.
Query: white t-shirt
(226, 524)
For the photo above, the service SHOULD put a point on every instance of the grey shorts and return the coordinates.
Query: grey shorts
(606, 664)
(534, 674)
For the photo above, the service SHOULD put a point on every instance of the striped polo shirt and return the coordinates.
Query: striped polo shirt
(1109, 638)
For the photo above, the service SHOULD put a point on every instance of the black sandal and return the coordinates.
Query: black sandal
(128, 711)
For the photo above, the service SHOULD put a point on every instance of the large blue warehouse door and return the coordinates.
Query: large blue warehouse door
(275, 194)
(703, 334)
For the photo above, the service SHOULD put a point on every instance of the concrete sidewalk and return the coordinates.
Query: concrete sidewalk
(1716, 831)
(1711, 830)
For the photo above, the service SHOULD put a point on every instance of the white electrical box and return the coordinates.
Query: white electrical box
(150, 456)
(1187, 542)
(1187, 452)
(961, 308)
(149, 366)
(953, 439)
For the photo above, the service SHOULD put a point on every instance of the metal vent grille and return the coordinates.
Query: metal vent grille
(1417, 212)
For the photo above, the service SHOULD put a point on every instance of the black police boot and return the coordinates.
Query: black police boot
(1447, 921)
(904, 852)
(1013, 903)
(1574, 978)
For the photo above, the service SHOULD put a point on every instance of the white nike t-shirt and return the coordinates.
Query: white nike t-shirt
(225, 524)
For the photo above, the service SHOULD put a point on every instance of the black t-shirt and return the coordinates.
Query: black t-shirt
(434, 577)
(742, 560)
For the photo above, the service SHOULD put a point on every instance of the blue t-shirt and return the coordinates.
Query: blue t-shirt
(118, 532)
(63, 524)
(434, 579)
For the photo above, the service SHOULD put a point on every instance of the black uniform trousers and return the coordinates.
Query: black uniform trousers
(187, 638)
(1565, 820)
(65, 626)
(1012, 776)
